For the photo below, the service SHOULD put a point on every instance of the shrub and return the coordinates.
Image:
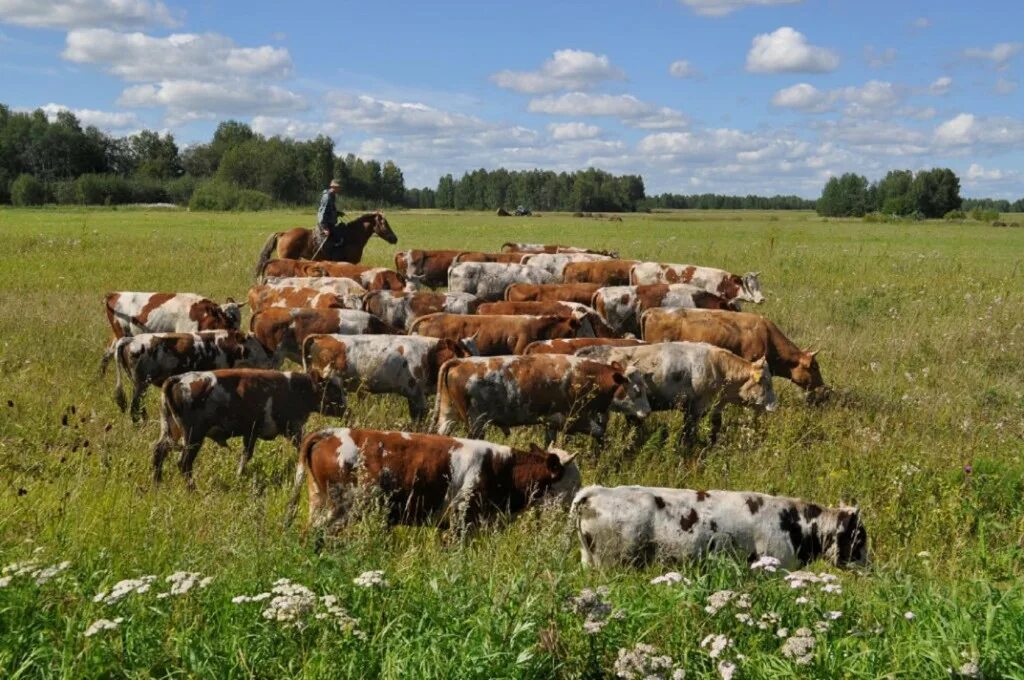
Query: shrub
(180, 190)
(62, 192)
(955, 215)
(984, 215)
(219, 195)
(27, 190)
(95, 189)
(5, 186)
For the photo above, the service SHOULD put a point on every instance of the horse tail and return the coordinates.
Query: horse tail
(268, 248)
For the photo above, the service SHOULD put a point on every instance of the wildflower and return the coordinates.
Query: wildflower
(822, 626)
(909, 616)
(716, 644)
(743, 601)
(5, 581)
(339, 614)
(670, 578)
(644, 663)
(832, 588)
(597, 610)
(123, 589)
(801, 600)
(766, 563)
(717, 600)
(184, 581)
(242, 599)
(833, 615)
(767, 620)
(782, 632)
(44, 575)
(291, 604)
(726, 669)
(799, 579)
(744, 618)
(100, 625)
(799, 647)
(371, 579)
(971, 669)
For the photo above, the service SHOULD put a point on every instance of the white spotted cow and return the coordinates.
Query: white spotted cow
(131, 313)
(488, 280)
(718, 281)
(554, 263)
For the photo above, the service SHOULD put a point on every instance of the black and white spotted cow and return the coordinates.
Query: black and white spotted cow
(637, 525)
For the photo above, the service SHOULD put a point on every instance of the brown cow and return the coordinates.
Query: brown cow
(592, 323)
(427, 476)
(570, 345)
(282, 331)
(370, 278)
(238, 402)
(621, 306)
(750, 336)
(426, 267)
(555, 292)
(551, 248)
(497, 334)
(401, 309)
(269, 297)
(511, 257)
(605, 272)
(132, 313)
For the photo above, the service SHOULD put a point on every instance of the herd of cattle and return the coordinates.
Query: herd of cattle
(534, 334)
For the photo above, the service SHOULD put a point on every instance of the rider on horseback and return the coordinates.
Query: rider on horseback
(327, 217)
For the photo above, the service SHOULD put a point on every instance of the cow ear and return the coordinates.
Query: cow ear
(619, 378)
(760, 363)
(616, 366)
(554, 464)
(229, 300)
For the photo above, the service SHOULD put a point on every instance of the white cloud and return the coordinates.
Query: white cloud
(999, 54)
(720, 8)
(105, 120)
(976, 172)
(683, 69)
(626, 107)
(870, 98)
(1005, 86)
(876, 58)
(787, 51)
(141, 57)
(803, 97)
(921, 23)
(940, 86)
(187, 100)
(71, 14)
(383, 116)
(566, 70)
(566, 131)
(281, 126)
(967, 130)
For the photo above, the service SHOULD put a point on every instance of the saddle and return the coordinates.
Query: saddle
(327, 247)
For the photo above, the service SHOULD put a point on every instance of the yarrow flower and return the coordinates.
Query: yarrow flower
(832, 588)
(670, 578)
(597, 610)
(123, 589)
(371, 579)
(766, 563)
(909, 616)
(184, 581)
(100, 625)
(291, 604)
(832, 615)
(717, 600)
(768, 620)
(726, 669)
(799, 647)
(31, 569)
(644, 663)
(715, 644)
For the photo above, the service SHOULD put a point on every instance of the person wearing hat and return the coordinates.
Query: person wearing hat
(327, 216)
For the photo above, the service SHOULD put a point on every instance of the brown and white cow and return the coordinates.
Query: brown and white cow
(151, 358)
(488, 280)
(239, 402)
(749, 335)
(283, 330)
(370, 278)
(269, 297)
(638, 525)
(551, 248)
(554, 389)
(401, 309)
(428, 477)
(717, 281)
(591, 323)
(339, 285)
(693, 376)
(384, 364)
(553, 292)
(512, 257)
(555, 263)
(132, 313)
(570, 345)
(622, 306)
(604, 272)
(496, 335)
(426, 267)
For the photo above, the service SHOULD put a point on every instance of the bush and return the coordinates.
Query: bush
(27, 190)
(95, 189)
(219, 195)
(180, 190)
(955, 215)
(62, 192)
(5, 186)
(984, 215)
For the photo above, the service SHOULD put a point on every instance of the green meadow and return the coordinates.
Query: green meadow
(921, 333)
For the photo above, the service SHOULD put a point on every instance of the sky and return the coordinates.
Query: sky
(724, 96)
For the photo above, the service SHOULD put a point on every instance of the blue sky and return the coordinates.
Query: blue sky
(732, 96)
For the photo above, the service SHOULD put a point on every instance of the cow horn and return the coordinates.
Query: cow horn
(813, 353)
(242, 304)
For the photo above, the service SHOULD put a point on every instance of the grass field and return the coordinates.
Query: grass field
(921, 332)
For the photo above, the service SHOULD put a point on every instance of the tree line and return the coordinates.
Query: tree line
(924, 194)
(724, 202)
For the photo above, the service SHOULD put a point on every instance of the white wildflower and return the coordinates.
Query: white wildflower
(766, 563)
(768, 620)
(597, 611)
(242, 599)
(782, 632)
(100, 625)
(832, 588)
(799, 647)
(801, 600)
(371, 579)
(717, 600)
(43, 575)
(5, 581)
(909, 616)
(822, 626)
(745, 618)
(743, 601)
(726, 669)
(291, 604)
(716, 644)
(123, 589)
(644, 663)
(971, 670)
(670, 578)
(832, 615)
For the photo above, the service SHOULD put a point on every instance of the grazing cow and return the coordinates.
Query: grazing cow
(239, 402)
(555, 263)
(748, 335)
(134, 313)
(570, 345)
(696, 376)
(488, 280)
(426, 267)
(151, 358)
(339, 285)
(262, 298)
(555, 389)
(638, 525)
(507, 258)
(622, 306)
(283, 331)
(428, 477)
(384, 364)
(401, 309)
(604, 272)
(370, 278)
(553, 292)
(717, 281)
(591, 324)
(496, 334)
(544, 248)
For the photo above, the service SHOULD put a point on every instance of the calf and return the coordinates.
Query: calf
(384, 364)
(401, 309)
(591, 324)
(283, 331)
(267, 297)
(488, 280)
(134, 313)
(370, 278)
(555, 263)
(151, 358)
(239, 402)
(606, 272)
(638, 525)
(427, 476)
(748, 335)
(696, 376)
(498, 334)
(717, 281)
(570, 345)
(558, 390)
(553, 292)
(426, 267)
(622, 306)
(544, 248)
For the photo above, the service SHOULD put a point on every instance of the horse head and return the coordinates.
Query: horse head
(377, 224)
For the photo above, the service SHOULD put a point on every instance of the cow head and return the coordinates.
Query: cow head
(751, 288)
(470, 346)
(331, 393)
(851, 538)
(757, 390)
(413, 282)
(807, 374)
(232, 312)
(381, 228)
(630, 397)
(256, 355)
(564, 476)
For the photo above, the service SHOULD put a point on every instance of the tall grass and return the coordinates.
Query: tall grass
(921, 335)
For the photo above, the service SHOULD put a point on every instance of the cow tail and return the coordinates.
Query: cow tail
(170, 419)
(442, 389)
(121, 367)
(268, 248)
(302, 468)
(304, 350)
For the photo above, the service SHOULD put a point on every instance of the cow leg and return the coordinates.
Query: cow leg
(193, 442)
(692, 414)
(248, 446)
(138, 413)
(417, 406)
(160, 451)
(716, 424)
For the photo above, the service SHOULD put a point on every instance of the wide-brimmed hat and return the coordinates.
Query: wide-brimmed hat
(335, 183)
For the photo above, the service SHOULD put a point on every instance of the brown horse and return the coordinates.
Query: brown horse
(299, 243)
